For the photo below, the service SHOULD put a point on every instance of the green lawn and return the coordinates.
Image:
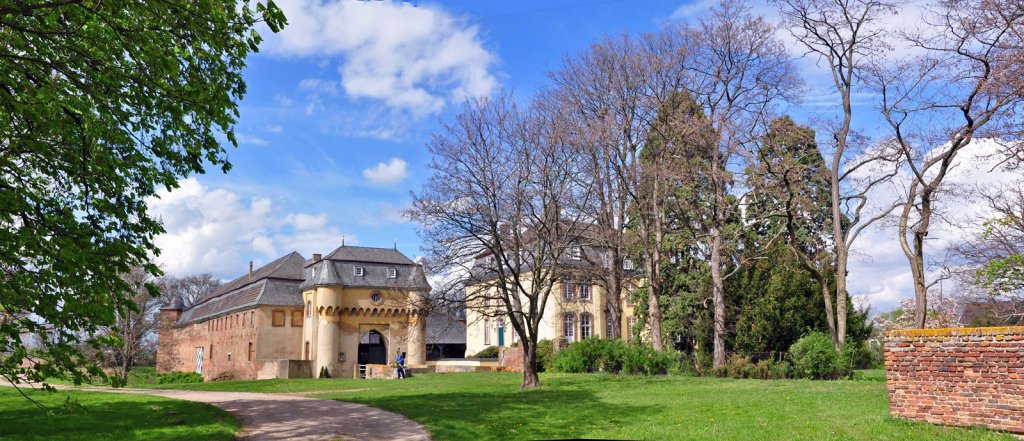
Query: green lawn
(491, 406)
(108, 416)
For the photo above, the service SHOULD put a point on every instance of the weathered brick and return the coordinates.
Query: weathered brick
(963, 376)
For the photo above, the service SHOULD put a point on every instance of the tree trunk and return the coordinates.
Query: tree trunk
(840, 311)
(915, 251)
(920, 285)
(839, 234)
(654, 309)
(613, 298)
(530, 378)
(718, 294)
(826, 293)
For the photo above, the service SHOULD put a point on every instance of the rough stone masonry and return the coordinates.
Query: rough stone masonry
(958, 376)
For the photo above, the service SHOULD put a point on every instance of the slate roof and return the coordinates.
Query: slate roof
(443, 327)
(339, 269)
(288, 266)
(276, 284)
(281, 282)
(369, 255)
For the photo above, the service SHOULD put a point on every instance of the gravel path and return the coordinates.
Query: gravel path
(281, 417)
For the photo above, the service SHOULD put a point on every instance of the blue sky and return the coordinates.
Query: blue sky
(342, 103)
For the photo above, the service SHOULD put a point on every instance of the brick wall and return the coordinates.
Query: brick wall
(959, 377)
(511, 359)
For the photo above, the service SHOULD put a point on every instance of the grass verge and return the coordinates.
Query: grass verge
(109, 416)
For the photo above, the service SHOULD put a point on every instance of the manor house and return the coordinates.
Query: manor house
(293, 317)
(575, 310)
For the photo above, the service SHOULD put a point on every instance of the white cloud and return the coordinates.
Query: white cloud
(283, 100)
(216, 230)
(691, 9)
(878, 268)
(248, 139)
(273, 128)
(414, 58)
(389, 173)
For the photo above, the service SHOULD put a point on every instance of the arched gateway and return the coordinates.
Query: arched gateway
(373, 348)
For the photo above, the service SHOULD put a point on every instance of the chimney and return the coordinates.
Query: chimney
(317, 257)
(250, 269)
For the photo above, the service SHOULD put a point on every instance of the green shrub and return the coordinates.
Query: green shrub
(780, 370)
(488, 352)
(324, 373)
(814, 357)
(857, 355)
(739, 366)
(877, 354)
(545, 355)
(180, 377)
(642, 360)
(570, 361)
(614, 356)
(591, 355)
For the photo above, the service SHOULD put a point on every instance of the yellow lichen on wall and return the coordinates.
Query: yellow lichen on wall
(951, 332)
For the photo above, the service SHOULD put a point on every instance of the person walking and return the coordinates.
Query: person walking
(400, 364)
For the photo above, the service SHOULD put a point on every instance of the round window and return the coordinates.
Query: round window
(376, 298)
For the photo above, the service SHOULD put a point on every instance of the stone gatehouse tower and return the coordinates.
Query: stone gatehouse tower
(294, 317)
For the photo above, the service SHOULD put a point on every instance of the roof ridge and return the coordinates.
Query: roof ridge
(283, 259)
(271, 270)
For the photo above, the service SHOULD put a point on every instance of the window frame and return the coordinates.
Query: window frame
(569, 327)
(588, 331)
(585, 288)
(392, 273)
(297, 323)
(487, 332)
(568, 290)
(359, 271)
(274, 314)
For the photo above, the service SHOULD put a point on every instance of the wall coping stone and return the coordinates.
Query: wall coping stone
(956, 332)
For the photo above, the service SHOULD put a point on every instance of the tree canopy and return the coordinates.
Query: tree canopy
(103, 104)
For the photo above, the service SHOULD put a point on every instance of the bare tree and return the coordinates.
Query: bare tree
(844, 35)
(493, 213)
(610, 95)
(134, 326)
(988, 265)
(190, 288)
(737, 70)
(966, 85)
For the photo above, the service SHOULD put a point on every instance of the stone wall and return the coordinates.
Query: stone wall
(380, 371)
(270, 369)
(959, 377)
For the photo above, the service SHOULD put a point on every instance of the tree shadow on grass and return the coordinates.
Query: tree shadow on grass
(518, 414)
(112, 419)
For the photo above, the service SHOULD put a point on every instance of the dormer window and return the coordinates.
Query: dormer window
(627, 265)
(392, 273)
(576, 252)
(360, 271)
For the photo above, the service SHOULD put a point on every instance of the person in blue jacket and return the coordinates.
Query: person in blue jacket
(400, 365)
